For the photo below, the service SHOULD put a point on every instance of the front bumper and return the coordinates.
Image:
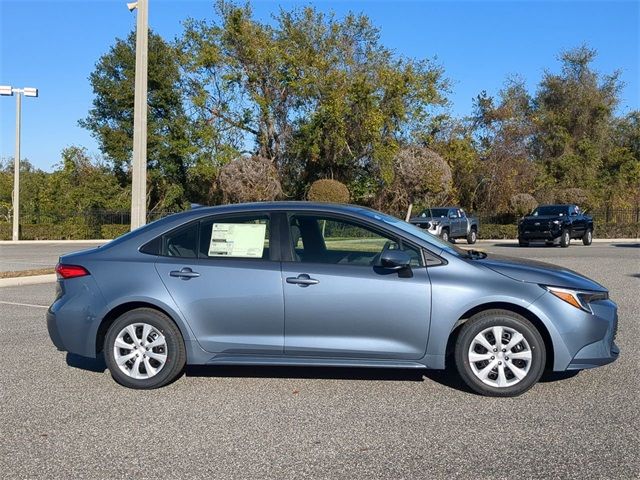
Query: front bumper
(546, 234)
(598, 353)
(580, 340)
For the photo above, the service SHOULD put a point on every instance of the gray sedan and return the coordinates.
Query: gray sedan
(297, 283)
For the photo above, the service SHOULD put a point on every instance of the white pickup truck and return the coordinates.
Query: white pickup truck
(448, 223)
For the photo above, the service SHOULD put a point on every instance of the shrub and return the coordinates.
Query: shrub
(249, 179)
(420, 176)
(495, 231)
(522, 203)
(327, 190)
(111, 231)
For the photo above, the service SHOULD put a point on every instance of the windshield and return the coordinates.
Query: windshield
(435, 212)
(558, 210)
(417, 232)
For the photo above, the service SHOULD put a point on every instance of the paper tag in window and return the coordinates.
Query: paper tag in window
(237, 240)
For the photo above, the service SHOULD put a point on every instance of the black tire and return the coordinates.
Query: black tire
(445, 235)
(523, 243)
(587, 238)
(175, 350)
(565, 238)
(472, 236)
(505, 318)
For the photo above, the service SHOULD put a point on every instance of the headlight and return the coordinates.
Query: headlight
(556, 222)
(578, 298)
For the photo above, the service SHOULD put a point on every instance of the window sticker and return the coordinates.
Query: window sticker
(237, 240)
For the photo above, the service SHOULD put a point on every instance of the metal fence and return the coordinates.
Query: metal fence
(600, 216)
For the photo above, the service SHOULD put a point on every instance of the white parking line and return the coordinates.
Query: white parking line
(23, 304)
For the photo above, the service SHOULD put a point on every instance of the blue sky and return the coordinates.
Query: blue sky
(54, 45)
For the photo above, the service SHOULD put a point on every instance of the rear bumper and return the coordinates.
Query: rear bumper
(54, 334)
(72, 321)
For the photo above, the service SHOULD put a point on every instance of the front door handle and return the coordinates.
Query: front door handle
(303, 280)
(185, 274)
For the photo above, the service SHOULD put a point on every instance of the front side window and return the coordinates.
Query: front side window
(318, 239)
(235, 237)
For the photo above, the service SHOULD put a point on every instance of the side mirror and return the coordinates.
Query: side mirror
(394, 260)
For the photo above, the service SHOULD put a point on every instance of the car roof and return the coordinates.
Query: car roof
(280, 205)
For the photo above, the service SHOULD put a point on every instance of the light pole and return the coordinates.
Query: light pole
(139, 161)
(29, 92)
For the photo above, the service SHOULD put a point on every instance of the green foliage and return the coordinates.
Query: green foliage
(495, 231)
(319, 96)
(327, 190)
(244, 109)
(169, 146)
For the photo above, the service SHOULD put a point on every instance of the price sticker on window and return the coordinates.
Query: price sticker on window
(244, 240)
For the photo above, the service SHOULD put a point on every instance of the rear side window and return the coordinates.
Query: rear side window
(235, 237)
(182, 242)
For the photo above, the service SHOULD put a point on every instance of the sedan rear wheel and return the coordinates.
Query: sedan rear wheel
(500, 353)
(144, 349)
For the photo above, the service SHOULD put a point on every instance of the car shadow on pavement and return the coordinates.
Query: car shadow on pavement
(626, 245)
(85, 363)
(448, 377)
(515, 245)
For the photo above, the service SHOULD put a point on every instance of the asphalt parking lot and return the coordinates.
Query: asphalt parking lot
(63, 417)
(30, 256)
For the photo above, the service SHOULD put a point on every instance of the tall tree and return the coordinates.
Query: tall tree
(504, 131)
(169, 149)
(320, 97)
(574, 115)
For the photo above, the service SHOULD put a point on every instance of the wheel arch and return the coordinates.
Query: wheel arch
(113, 314)
(520, 310)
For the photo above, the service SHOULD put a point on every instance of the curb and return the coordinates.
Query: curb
(32, 280)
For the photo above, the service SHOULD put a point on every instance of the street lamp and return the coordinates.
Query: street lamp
(139, 160)
(28, 92)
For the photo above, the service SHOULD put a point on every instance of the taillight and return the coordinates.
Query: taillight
(70, 271)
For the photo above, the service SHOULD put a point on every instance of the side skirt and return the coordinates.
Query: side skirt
(226, 359)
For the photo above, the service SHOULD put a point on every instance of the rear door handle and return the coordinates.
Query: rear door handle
(303, 280)
(186, 273)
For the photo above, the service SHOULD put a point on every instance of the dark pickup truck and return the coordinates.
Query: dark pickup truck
(555, 224)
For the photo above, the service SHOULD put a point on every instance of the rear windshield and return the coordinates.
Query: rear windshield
(551, 210)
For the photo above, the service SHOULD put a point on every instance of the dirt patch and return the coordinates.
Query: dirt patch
(27, 273)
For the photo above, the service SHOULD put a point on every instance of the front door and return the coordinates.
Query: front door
(339, 304)
(220, 273)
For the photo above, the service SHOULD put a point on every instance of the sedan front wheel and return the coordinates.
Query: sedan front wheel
(500, 353)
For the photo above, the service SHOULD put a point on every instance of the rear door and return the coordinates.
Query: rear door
(579, 223)
(226, 280)
(338, 304)
(454, 222)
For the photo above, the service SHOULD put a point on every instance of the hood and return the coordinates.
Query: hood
(543, 218)
(531, 271)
